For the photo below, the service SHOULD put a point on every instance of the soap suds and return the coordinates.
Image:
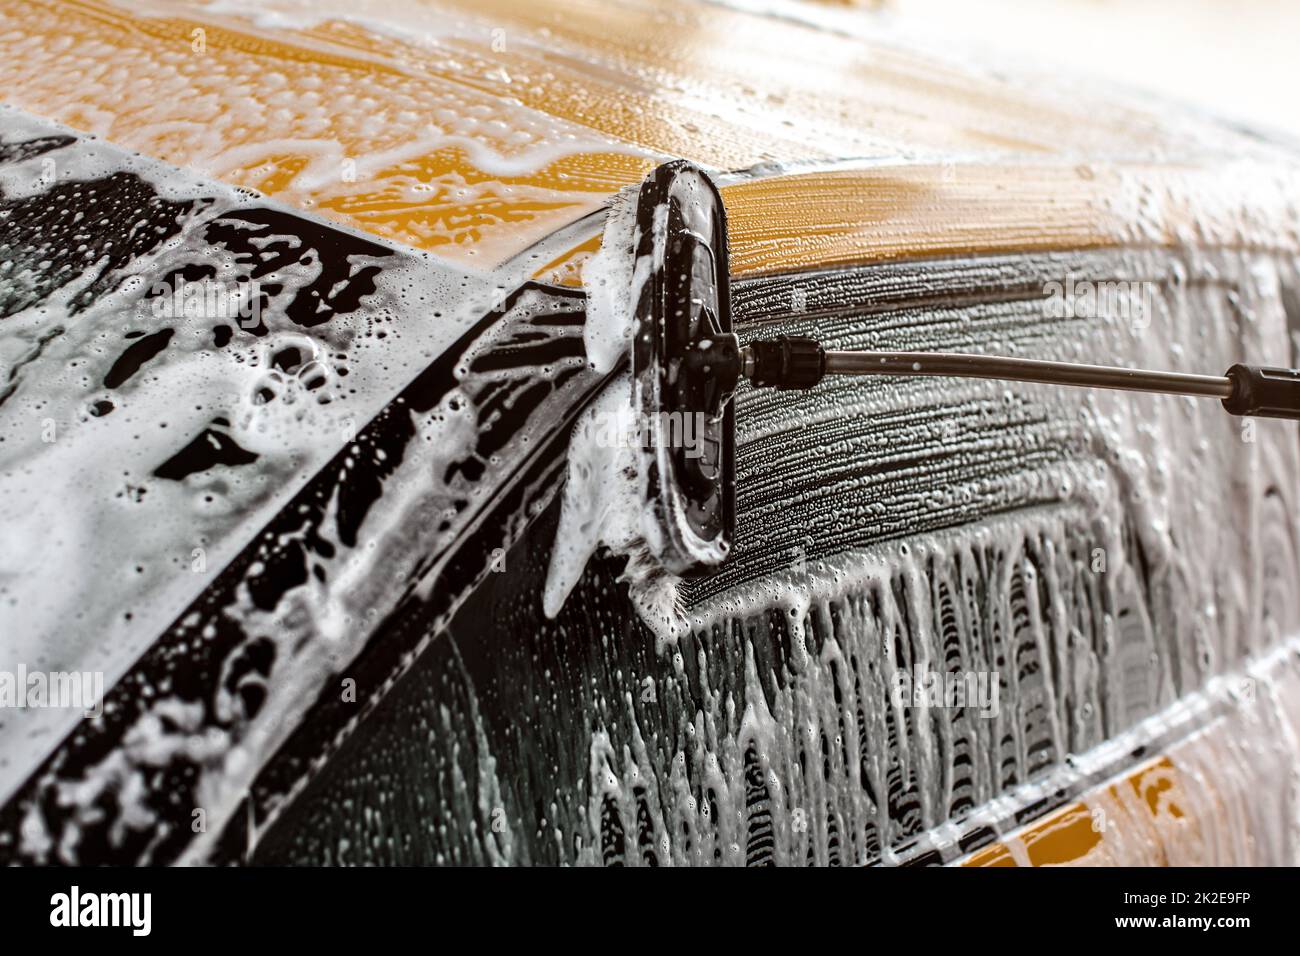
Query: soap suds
(604, 498)
(405, 150)
(608, 280)
(124, 499)
(603, 505)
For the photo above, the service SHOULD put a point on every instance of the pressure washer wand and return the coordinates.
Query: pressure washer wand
(687, 359)
(796, 362)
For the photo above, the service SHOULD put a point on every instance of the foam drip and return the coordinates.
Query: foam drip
(603, 506)
(1118, 562)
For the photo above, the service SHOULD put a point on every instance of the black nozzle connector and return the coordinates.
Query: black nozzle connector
(789, 361)
(714, 363)
(1264, 392)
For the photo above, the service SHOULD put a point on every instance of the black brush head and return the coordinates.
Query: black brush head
(685, 364)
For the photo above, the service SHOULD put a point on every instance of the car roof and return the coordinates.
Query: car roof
(475, 129)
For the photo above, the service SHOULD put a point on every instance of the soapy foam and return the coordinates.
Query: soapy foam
(1148, 483)
(82, 504)
(1104, 615)
(604, 499)
(611, 288)
(469, 174)
(603, 505)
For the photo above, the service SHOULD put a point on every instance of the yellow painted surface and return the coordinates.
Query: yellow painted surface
(826, 219)
(337, 128)
(1141, 809)
(474, 128)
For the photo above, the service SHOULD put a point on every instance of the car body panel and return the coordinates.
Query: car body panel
(878, 195)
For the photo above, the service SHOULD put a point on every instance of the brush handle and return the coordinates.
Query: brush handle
(1264, 392)
(792, 361)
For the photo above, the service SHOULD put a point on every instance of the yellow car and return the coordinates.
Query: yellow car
(321, 543)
